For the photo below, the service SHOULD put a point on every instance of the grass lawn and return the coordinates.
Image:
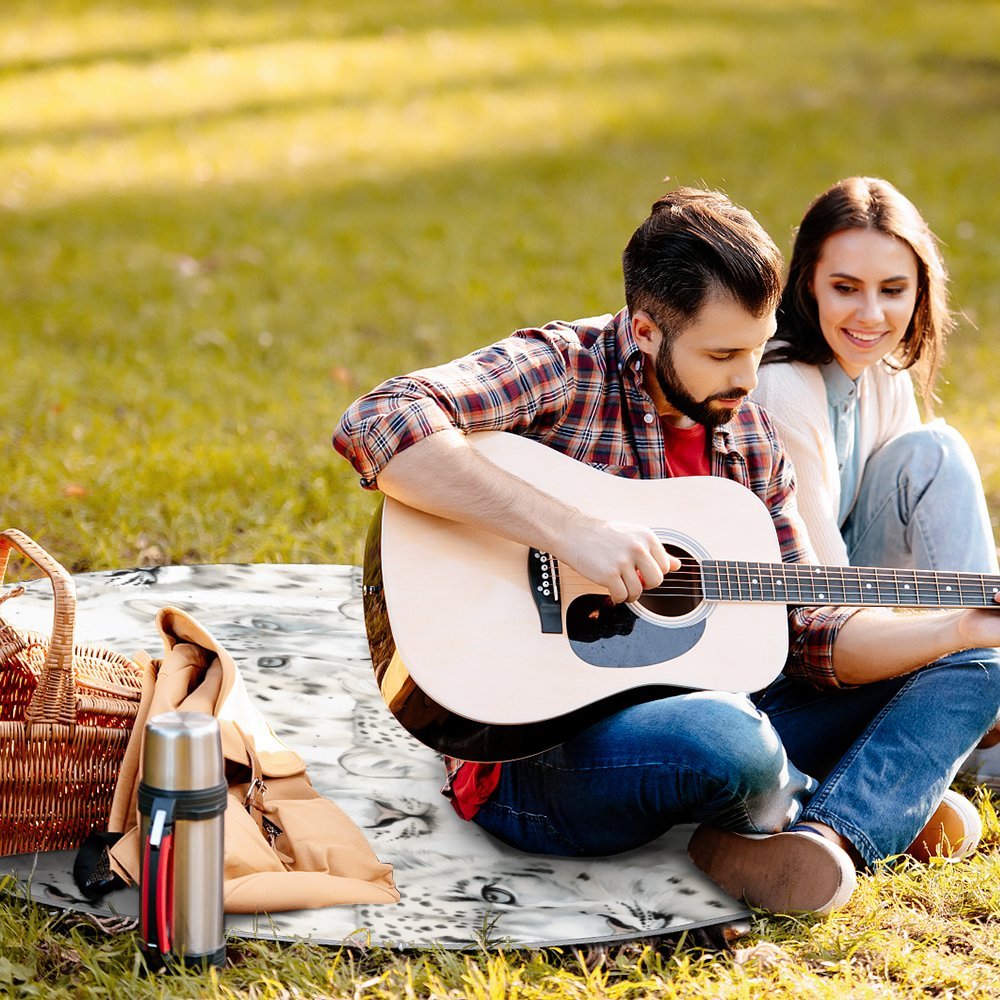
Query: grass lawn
(222, 221)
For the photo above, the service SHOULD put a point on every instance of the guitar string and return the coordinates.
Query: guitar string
(834, 599)
(809, 571)
(805, 582)
(689, 581)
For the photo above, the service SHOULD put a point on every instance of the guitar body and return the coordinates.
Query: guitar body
(472, 664)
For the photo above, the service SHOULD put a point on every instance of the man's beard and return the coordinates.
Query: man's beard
(680, 399)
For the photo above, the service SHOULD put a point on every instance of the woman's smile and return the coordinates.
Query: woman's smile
(865, 285)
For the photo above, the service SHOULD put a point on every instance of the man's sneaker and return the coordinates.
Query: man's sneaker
(789, 872)
(953, 831)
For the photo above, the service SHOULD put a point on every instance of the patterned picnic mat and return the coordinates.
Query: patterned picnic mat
(297, 634)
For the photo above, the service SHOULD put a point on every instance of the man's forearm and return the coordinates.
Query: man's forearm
(879, 643)
(444, 475)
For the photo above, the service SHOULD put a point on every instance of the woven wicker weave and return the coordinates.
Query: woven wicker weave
(66, 712)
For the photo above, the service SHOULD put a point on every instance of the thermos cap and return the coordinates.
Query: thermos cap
(182, 752)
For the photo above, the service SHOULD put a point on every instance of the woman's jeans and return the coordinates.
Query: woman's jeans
(872, 761)
(920, 505)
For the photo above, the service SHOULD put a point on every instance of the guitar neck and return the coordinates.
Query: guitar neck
(801, 583)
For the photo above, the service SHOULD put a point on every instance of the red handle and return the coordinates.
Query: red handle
(165, 894)
(156, 890)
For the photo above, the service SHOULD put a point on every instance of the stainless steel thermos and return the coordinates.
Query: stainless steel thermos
(182, 801)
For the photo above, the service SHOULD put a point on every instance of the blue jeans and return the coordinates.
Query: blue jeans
(884, 753)
(703, 756)
(921, 506)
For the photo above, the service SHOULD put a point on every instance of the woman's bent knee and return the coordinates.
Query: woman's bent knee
(928, 451)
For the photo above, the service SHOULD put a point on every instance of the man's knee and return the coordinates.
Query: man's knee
(758, 790)
(700, 723)
(741, 740)
(967, 682)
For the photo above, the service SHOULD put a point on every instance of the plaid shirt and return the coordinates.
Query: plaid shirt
(577, 387)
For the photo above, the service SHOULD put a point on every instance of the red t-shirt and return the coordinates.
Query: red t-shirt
(686, 450)
(686, 455)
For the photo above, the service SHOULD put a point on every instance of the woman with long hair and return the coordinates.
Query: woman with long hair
(863, 319)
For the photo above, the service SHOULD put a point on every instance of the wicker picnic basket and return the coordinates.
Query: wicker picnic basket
(66, 712)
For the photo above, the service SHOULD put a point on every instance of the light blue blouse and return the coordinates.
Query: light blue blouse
(842, 402)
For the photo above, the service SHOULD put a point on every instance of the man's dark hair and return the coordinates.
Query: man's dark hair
(694, 244)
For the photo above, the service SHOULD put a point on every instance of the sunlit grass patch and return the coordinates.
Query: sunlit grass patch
(223, 221)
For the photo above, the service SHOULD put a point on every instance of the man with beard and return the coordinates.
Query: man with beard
(839, 763)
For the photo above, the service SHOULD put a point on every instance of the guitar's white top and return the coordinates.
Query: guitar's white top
(467, 628)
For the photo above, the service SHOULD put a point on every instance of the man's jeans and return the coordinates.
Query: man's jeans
(884, 754)
(872, 761)
(702, 756)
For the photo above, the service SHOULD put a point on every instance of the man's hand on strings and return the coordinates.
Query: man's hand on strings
(624, 558)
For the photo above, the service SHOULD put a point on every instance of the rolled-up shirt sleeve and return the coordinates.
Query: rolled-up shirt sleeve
(517, 383)
(812, 632)
(386, 421)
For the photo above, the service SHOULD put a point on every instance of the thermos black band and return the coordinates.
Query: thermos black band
(196, 803)
(216, 958)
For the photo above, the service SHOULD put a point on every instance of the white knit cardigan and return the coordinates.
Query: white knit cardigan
(794, 394)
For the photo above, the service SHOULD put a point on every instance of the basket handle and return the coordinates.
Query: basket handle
(54, 700)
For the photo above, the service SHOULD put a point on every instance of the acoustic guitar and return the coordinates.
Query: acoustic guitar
(489, 650)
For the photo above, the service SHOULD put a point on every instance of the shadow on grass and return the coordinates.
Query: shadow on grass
(240, 24)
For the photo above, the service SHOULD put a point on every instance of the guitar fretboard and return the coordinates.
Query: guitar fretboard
(800, 583)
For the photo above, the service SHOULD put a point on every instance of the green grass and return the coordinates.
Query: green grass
(910, 932)
(221, 221)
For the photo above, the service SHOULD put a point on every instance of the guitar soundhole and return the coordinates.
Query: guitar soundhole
(680, 593)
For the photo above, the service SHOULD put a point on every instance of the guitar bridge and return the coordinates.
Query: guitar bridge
(543, 578)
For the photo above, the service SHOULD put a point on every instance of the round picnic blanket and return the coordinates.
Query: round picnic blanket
(297, 635)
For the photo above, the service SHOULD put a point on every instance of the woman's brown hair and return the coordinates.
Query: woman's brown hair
(866, 203)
